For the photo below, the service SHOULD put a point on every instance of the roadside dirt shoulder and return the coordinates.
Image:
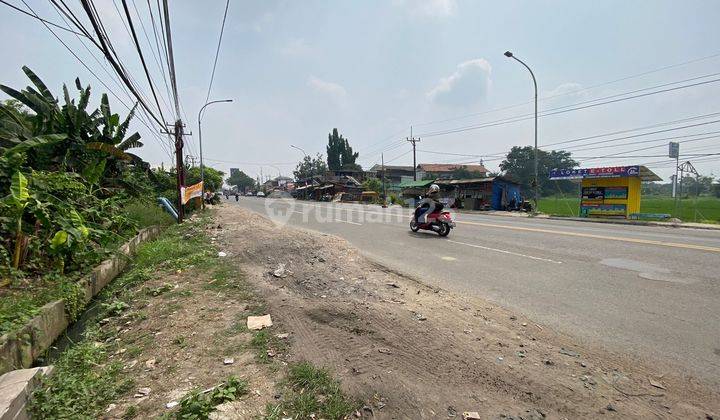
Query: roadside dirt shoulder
(411, 351)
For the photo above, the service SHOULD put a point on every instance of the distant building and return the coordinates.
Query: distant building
(446, 170)
(394, 174)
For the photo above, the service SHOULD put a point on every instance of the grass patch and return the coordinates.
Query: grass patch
(145, 214)
(82, 385)
(311, 391)
(19, 305)
(226, 277)
(696, 209)
(264, 342)
(182, 247)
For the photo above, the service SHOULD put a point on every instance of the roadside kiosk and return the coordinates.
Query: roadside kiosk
(612, 192)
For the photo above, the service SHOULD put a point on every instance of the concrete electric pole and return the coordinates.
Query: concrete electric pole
(413, 140)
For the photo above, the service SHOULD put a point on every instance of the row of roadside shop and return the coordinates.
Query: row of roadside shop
(611, 192)
(489, 193)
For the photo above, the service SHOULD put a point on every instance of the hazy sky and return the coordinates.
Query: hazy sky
(296, 69)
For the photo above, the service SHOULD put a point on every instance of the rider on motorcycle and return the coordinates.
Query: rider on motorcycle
(428, 204)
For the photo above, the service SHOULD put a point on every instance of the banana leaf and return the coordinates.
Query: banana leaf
(44, 91)
(109, 149)
(35, 142)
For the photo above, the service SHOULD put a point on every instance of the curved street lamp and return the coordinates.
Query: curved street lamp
(202, 167)
(299, 148)
(508, 54)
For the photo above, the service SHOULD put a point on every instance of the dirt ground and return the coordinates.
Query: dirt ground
(411, 351)
(175, 338)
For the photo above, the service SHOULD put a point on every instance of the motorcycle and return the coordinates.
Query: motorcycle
(440, 222)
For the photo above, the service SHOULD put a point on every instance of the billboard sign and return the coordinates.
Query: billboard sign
(674, 151)
(608, 172)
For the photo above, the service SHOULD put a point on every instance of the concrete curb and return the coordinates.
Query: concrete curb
(20, 348)
(16, 387)
(704, 226)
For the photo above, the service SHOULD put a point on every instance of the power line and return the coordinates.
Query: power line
(106, 50)
(687, 119)
(640, 141)
(559, 110)
(163, 63)
(574, 91)
(217, 51)
(171, 58)
(110, 74)
(154, 55)
(398, 157)
(142, 57)
(39, 18)
(251, 163)
(648, 148)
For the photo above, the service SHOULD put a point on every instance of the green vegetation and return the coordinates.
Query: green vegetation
(372, 184)
(85, 379)
(311, 391)
(694, 209)
(241, 180)
(309, 167)
(339, 153)
(266, 343)
(199, 404)
(519, 166)
(83, 382)
(73, 192)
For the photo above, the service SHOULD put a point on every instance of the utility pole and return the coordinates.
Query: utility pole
(413, 140)
(382, 163)
(179, 168)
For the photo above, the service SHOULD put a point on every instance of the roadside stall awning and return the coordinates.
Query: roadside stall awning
(416, 184)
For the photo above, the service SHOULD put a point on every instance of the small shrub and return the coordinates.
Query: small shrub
(199, 405)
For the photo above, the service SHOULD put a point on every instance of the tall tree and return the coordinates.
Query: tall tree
(518, 165)
(241, 180)
(309, 167)
(339, 153)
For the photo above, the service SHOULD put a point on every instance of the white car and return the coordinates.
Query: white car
(260, 194)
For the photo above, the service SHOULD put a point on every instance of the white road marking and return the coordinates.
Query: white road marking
(448, 258)
(503, 251)
(347, 221)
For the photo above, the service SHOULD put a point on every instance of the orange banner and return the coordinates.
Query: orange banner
(192, 192)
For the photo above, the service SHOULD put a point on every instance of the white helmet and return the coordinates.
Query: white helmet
(434, 188)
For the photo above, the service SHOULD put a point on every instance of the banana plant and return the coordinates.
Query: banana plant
(18, 199)
(71, 237)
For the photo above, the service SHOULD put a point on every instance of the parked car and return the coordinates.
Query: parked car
(260, 194)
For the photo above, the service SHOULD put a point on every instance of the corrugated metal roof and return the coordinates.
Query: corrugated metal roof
(414, 184)
(449, 167)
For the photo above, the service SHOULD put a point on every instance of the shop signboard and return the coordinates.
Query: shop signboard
(616, 193)
(603, 210)
(608, 172)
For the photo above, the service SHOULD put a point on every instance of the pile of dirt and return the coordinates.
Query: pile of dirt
(411, 351)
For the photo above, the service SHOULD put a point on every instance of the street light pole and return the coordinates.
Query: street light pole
(299, 148)
(202, 167)
(535, 163)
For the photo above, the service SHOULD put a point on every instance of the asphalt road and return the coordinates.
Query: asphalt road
(649, 291)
